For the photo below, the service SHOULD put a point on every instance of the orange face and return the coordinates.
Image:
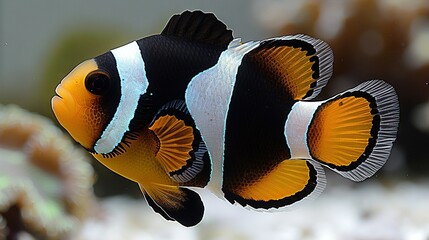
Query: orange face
(78, 103)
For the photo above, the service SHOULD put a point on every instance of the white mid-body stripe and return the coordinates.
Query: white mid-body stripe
(208, 96)
(296, 128)
(131, 69)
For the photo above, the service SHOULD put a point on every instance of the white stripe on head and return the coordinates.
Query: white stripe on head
(208, 96)
(296, 128)
(134, 83)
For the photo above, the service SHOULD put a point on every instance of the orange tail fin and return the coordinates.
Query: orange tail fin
(353, 132)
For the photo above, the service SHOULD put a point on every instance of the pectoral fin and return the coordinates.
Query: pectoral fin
(182, 152)
(175, 203)
(175, 142)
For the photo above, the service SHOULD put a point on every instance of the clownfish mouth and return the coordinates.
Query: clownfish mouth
(62, 94)
(57, 96)
(56, 101)
(63, 104)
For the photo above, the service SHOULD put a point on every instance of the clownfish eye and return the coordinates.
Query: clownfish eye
(97, 82)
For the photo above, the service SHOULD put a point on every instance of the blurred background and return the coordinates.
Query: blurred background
(42, 41)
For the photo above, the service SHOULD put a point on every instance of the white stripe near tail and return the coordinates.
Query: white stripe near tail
(351, 133)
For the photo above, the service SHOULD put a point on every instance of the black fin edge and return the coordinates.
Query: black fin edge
(190, 213)
(310, 188)
(157, 208)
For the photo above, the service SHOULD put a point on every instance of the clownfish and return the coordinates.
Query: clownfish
(193, 107)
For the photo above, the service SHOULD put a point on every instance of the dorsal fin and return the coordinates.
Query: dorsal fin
(200, 27)
(298, 64)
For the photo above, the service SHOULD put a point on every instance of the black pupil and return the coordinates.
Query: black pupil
(97, 83)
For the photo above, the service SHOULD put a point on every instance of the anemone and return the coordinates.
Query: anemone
(45, 181)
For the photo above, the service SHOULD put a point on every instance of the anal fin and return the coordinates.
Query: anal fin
(175, 203)
(290, 182)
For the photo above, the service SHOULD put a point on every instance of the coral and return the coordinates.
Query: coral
(45, 181)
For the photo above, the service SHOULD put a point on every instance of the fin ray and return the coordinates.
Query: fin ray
(290, 182)
(175, 203)
(303, 64)
(175, 142)
(155, 207)
(181, 149)
(353, 132)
